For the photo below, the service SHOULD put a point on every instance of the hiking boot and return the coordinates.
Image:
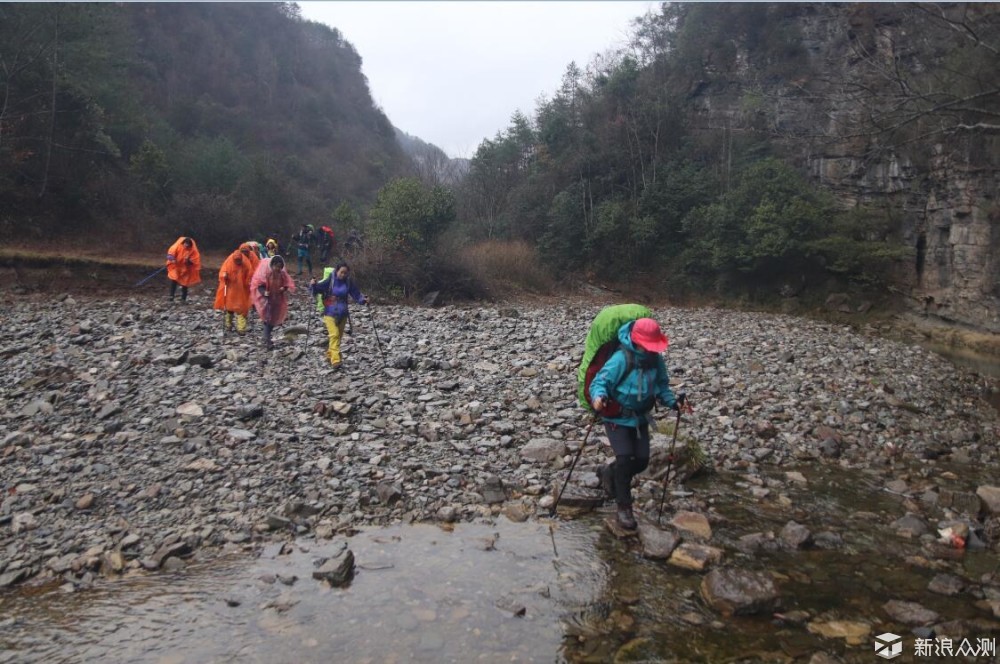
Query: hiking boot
(626, 519)
(606, 475)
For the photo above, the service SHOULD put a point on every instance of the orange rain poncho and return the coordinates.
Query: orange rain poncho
(183, 263)
(273, 309)
(233, 293)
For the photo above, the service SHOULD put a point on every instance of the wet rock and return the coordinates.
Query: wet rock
(514, 608)
(853, 632)
(910, 526)
(946, 584)
(692, 523)
(338, 569)
(990, 496)
(757, 542)
(732, 591)
(516, 512)
(448, 514)
(657, 543)
(11, 578)
(909, 613)
(795, 536)
(961, 501)
(695, 557)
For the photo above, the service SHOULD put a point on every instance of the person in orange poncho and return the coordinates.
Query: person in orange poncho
(233, 294)
(269, 291)
(183, 266)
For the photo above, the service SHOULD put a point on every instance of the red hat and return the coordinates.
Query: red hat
(647, 336)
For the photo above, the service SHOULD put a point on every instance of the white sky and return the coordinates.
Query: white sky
(452, 73)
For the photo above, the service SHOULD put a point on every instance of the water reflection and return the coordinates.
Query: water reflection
(420, 594)
(531, 592)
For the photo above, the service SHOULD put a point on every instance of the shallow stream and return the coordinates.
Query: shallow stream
(538, 591)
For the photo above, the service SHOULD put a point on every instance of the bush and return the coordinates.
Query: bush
(505, 265)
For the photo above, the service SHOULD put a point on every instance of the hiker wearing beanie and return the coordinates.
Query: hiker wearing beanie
(269, 291)
(336, 289)
(635, 377)
(233, 294)
(183, 266)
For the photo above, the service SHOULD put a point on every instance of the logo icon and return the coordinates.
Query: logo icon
(888, 645)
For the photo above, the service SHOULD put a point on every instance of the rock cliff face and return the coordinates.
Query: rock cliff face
(878, 112)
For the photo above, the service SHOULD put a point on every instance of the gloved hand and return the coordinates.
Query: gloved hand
(679, 401)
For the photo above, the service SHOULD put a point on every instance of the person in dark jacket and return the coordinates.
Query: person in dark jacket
(336, 290)
(303, 242)
(636, 383)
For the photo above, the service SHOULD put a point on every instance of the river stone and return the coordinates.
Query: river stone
(657, 543)
(990, 495)
(543, 450)
(693, 523)
(946, 584)
(85, 501)
(337, 570)
(695, 556)
(190, 409)
(795, 535)
(516, 512)
(910, 526)
(961, 501)
(493, 491)
(855, 633)
(909, 613)
(388, 492)
(733, 591)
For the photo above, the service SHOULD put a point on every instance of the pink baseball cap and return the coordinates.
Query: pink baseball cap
(646, 335)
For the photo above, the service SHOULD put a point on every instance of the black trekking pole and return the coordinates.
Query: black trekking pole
(150, 277)
(583, 444)
(377, 340)
(670, 463)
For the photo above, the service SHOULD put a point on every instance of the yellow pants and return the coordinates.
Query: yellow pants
(241, 322)
(336, 331)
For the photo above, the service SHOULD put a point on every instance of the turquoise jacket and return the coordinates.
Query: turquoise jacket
(637, 391)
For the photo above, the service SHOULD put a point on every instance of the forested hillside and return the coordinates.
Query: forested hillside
(138, 122)
(768, 149)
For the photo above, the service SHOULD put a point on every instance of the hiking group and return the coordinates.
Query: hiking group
(621, 379)
(255, 276)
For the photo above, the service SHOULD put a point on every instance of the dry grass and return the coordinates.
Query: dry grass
(506, 264)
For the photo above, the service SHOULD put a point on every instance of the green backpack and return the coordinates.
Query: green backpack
(602, 342)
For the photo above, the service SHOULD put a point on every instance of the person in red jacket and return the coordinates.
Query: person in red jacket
(183, 266)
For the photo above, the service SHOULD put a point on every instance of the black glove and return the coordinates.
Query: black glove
(679, 401)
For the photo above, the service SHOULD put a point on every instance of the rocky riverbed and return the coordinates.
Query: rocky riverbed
(137, 435)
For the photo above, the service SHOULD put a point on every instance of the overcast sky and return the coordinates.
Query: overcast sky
(452, 73)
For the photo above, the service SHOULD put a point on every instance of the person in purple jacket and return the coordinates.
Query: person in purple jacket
(335, 290)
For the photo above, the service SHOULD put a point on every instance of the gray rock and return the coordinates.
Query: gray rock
(732, 591)
(657, 543)
(909, 613)
(337, 570)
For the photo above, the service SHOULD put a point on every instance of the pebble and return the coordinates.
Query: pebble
(210, 456)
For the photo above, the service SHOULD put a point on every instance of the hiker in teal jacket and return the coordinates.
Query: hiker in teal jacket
(635, 377)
